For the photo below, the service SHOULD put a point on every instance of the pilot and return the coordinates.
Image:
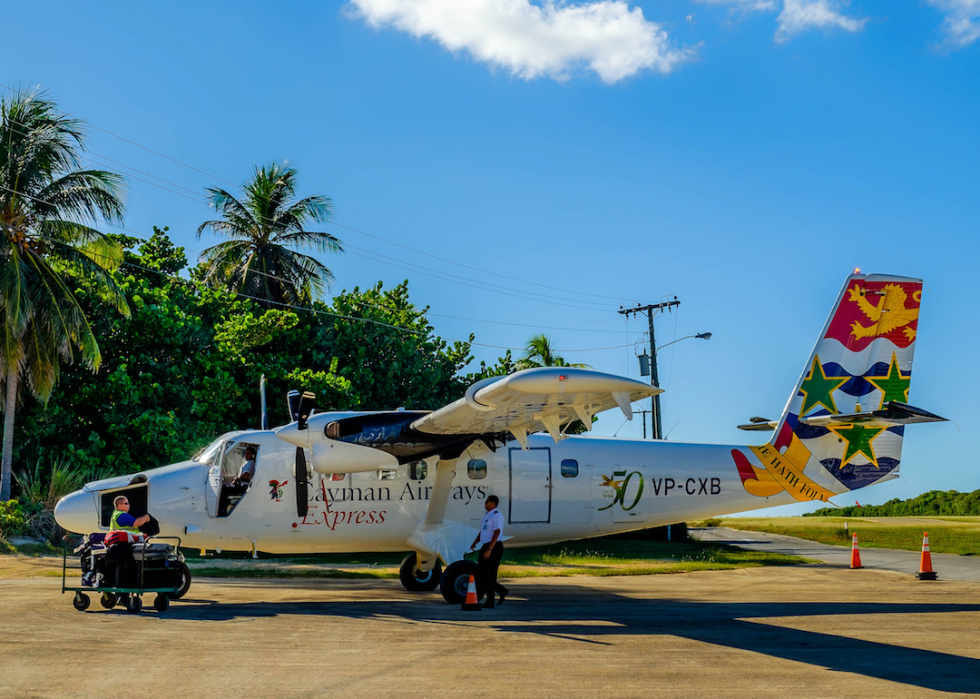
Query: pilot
(247, 471)
(491, 551)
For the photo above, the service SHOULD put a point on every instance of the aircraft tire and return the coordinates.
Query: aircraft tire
(415, 580)
(81, 602)
(454, 580)
(185, 582)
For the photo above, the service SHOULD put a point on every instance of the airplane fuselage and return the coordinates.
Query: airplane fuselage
(580, 487)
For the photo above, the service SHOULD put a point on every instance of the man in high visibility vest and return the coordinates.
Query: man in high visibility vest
(122, 520)
(119, 556)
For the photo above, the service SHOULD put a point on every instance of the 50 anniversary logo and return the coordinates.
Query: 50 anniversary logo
(620, 482)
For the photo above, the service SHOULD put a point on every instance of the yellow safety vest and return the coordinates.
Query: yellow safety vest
(114, 525)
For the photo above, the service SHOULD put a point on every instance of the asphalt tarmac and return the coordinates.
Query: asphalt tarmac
(801, 631)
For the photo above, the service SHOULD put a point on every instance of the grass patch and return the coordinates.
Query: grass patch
(958, 535)
(6, 548)
(599, 558)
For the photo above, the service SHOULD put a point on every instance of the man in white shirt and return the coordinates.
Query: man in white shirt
(491, 551)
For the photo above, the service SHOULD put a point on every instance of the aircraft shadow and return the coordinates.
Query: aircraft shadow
(574, 615)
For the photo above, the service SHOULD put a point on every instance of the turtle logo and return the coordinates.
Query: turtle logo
(620, 482)
(275, 492)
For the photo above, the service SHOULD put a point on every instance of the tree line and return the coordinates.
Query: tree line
(933, 503)
(118, 354)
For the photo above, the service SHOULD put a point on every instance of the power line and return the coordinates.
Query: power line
(303, 308)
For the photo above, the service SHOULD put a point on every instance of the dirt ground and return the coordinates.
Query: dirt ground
(802, 631)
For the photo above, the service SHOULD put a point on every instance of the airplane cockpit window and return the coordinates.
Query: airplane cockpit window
(233, 469)
(476, 469)
(418, 470)
(206, 455)
(569, 468)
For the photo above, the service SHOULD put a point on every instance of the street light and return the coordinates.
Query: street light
(649, 368)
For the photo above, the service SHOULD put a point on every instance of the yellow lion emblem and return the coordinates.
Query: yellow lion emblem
(890, 313)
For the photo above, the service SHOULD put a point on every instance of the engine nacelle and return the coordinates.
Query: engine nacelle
(332, 456)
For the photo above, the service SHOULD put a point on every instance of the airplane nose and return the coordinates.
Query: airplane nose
(77, 513)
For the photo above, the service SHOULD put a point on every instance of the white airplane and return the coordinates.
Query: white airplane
(416, 481)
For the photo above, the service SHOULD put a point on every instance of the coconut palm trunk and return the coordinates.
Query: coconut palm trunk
(9, 407)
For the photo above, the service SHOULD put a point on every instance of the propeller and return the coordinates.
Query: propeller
(292, 404)
(306, 403)
(302, 483)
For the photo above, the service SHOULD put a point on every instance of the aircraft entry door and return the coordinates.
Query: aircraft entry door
(530, 485)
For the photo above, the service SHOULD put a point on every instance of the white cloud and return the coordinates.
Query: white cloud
(797, 16)
(551, 38)
(962, 22)
(800, 15)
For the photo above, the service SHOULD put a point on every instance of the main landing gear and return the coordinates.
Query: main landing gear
(455, 579)
(414, 579)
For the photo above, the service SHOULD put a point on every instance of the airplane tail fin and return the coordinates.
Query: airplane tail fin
(843, 425)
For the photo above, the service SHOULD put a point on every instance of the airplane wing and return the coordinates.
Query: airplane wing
(547, 398)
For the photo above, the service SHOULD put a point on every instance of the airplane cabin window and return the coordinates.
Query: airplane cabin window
(569, 468)
(335, 476)
(387, 475)
(418, 470)
(476, 469)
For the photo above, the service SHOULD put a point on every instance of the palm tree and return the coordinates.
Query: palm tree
(259, 259)
(539, 353)
(46, 206)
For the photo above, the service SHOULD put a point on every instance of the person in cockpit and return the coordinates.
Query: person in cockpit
(247, 471)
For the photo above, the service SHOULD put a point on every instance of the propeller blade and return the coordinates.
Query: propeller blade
(302, 484)
(306, 404)
(292, 404)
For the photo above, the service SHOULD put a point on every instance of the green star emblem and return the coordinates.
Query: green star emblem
(858, 440)
(894, 386)
(817, 389)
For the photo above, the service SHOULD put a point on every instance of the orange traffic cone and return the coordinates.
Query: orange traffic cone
(925, 565)
(855, 554)
(471, 603)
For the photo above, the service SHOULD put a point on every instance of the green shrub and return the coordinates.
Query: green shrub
(13, 519)
(711, 522)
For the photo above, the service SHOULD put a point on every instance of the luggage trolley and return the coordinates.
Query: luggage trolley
(156, 567)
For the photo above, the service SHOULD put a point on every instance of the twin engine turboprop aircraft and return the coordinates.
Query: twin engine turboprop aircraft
(416, 481)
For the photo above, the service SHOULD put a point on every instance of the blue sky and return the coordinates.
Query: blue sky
(743, 155)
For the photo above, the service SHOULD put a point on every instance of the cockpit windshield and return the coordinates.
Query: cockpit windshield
(206, 456)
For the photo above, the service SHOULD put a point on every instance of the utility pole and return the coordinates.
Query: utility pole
(656, 428)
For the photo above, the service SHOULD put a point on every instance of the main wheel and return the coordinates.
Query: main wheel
(161, 603)
(109, 600)
(81, 602)
(416, 580)
(455, 579)
(134, 604)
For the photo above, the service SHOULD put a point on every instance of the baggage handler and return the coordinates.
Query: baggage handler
(491, 551)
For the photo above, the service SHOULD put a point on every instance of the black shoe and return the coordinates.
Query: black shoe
(488, 606)
(503, 596)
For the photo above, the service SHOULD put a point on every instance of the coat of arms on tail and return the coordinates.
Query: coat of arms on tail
(843, 426)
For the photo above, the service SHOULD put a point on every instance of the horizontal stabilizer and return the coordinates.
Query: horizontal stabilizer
(767, 426)
(892, 414)
(534, 400)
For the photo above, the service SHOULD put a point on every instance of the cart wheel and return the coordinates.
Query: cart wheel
(161, 603)
(134, 604)
(109, 600)
(185, 582)
(81, 602)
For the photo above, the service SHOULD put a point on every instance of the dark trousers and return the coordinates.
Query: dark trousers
(486, 573)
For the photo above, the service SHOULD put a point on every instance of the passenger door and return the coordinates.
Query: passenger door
(530, 485)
